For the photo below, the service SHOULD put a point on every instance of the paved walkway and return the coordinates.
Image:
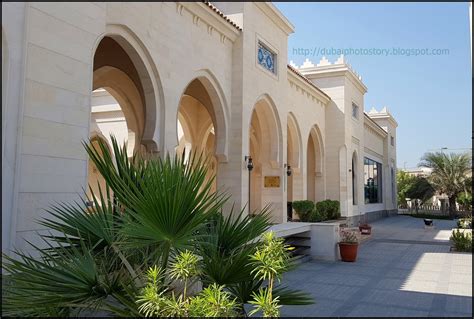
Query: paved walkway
(403, 270)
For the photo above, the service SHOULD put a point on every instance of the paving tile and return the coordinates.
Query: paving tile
(391, 277)
(370, 310)
(459, 304)
(460, 289)
(322, 308)
(400, 298)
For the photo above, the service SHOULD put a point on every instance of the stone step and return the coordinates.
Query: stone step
(299, 259)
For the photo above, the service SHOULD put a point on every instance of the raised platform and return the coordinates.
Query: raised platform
(323, 237)
(290, 228)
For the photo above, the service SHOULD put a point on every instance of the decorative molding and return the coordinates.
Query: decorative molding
(355, 140)
(373, 153)
(301, 86)
(179, 8)
(372, 127)
(202, 14)
(276, 16)
(196, 20)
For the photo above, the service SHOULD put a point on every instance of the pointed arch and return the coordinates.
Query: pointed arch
(205, 88)
(315, 165)
(147, 80)
(294, 134)
(355, 177)
(265, 112)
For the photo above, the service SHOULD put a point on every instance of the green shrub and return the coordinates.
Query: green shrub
(303, 208)
(155, 299)
(317, 216)
(329, 208)
(465, 223)
(462, 240)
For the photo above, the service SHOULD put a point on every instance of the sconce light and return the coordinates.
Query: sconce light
(248, 159)
(288, 170)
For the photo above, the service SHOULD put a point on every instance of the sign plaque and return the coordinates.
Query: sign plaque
(272, 181)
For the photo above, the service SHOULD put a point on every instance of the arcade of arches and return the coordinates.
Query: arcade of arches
(181, 78)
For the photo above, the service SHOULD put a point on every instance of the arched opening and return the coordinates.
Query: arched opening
(108, 118)
(96, 182)
(123, 100)
(354, 178)
(198, 125)
(264, 143)
(392, 179)
(293, 156)
(314, 174)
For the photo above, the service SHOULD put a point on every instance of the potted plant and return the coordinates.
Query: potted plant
(365, 229)
(348, 245)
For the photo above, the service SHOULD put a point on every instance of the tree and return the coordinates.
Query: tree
(420, 188)
(449, 174)
(404, 183)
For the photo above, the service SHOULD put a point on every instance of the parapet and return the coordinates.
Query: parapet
(308, 68)
(384, 113)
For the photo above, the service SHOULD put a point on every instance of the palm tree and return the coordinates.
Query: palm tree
(449, 174)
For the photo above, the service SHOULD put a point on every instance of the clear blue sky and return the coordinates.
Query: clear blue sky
(430, 96)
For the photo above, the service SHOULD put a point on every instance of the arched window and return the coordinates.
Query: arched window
(354, 179)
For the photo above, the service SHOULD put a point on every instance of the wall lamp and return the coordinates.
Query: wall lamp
(249, 161)
(288, 170)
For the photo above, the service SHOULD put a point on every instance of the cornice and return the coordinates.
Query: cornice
(299, 80)
(203, 13)
(368, 122)
(334, 71)
(276, 16)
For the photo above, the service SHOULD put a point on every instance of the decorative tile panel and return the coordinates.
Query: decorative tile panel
(266, 58)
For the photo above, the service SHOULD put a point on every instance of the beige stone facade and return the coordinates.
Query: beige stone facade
(167, 77)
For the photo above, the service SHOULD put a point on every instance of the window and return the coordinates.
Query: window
(372, 181)
(392, 140)
(266, 58)
(355, 110)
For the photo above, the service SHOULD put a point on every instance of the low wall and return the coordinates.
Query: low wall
(324, 239)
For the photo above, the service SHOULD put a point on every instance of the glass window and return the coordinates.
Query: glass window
(355, 110)
(392, 140)
(372, 181)
(266, 58)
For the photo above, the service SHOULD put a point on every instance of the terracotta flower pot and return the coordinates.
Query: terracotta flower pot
(348, 251)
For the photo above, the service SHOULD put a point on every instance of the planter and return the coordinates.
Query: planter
(365, 229)
(348, 251)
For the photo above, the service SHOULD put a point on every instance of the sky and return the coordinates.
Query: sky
(430, 96)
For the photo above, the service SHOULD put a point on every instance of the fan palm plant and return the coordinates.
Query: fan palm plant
(96, 254)
(150, 210)
(449, 175)
(165, 202)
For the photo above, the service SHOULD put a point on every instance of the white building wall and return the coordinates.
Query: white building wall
(13, 75)
(48, 53)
